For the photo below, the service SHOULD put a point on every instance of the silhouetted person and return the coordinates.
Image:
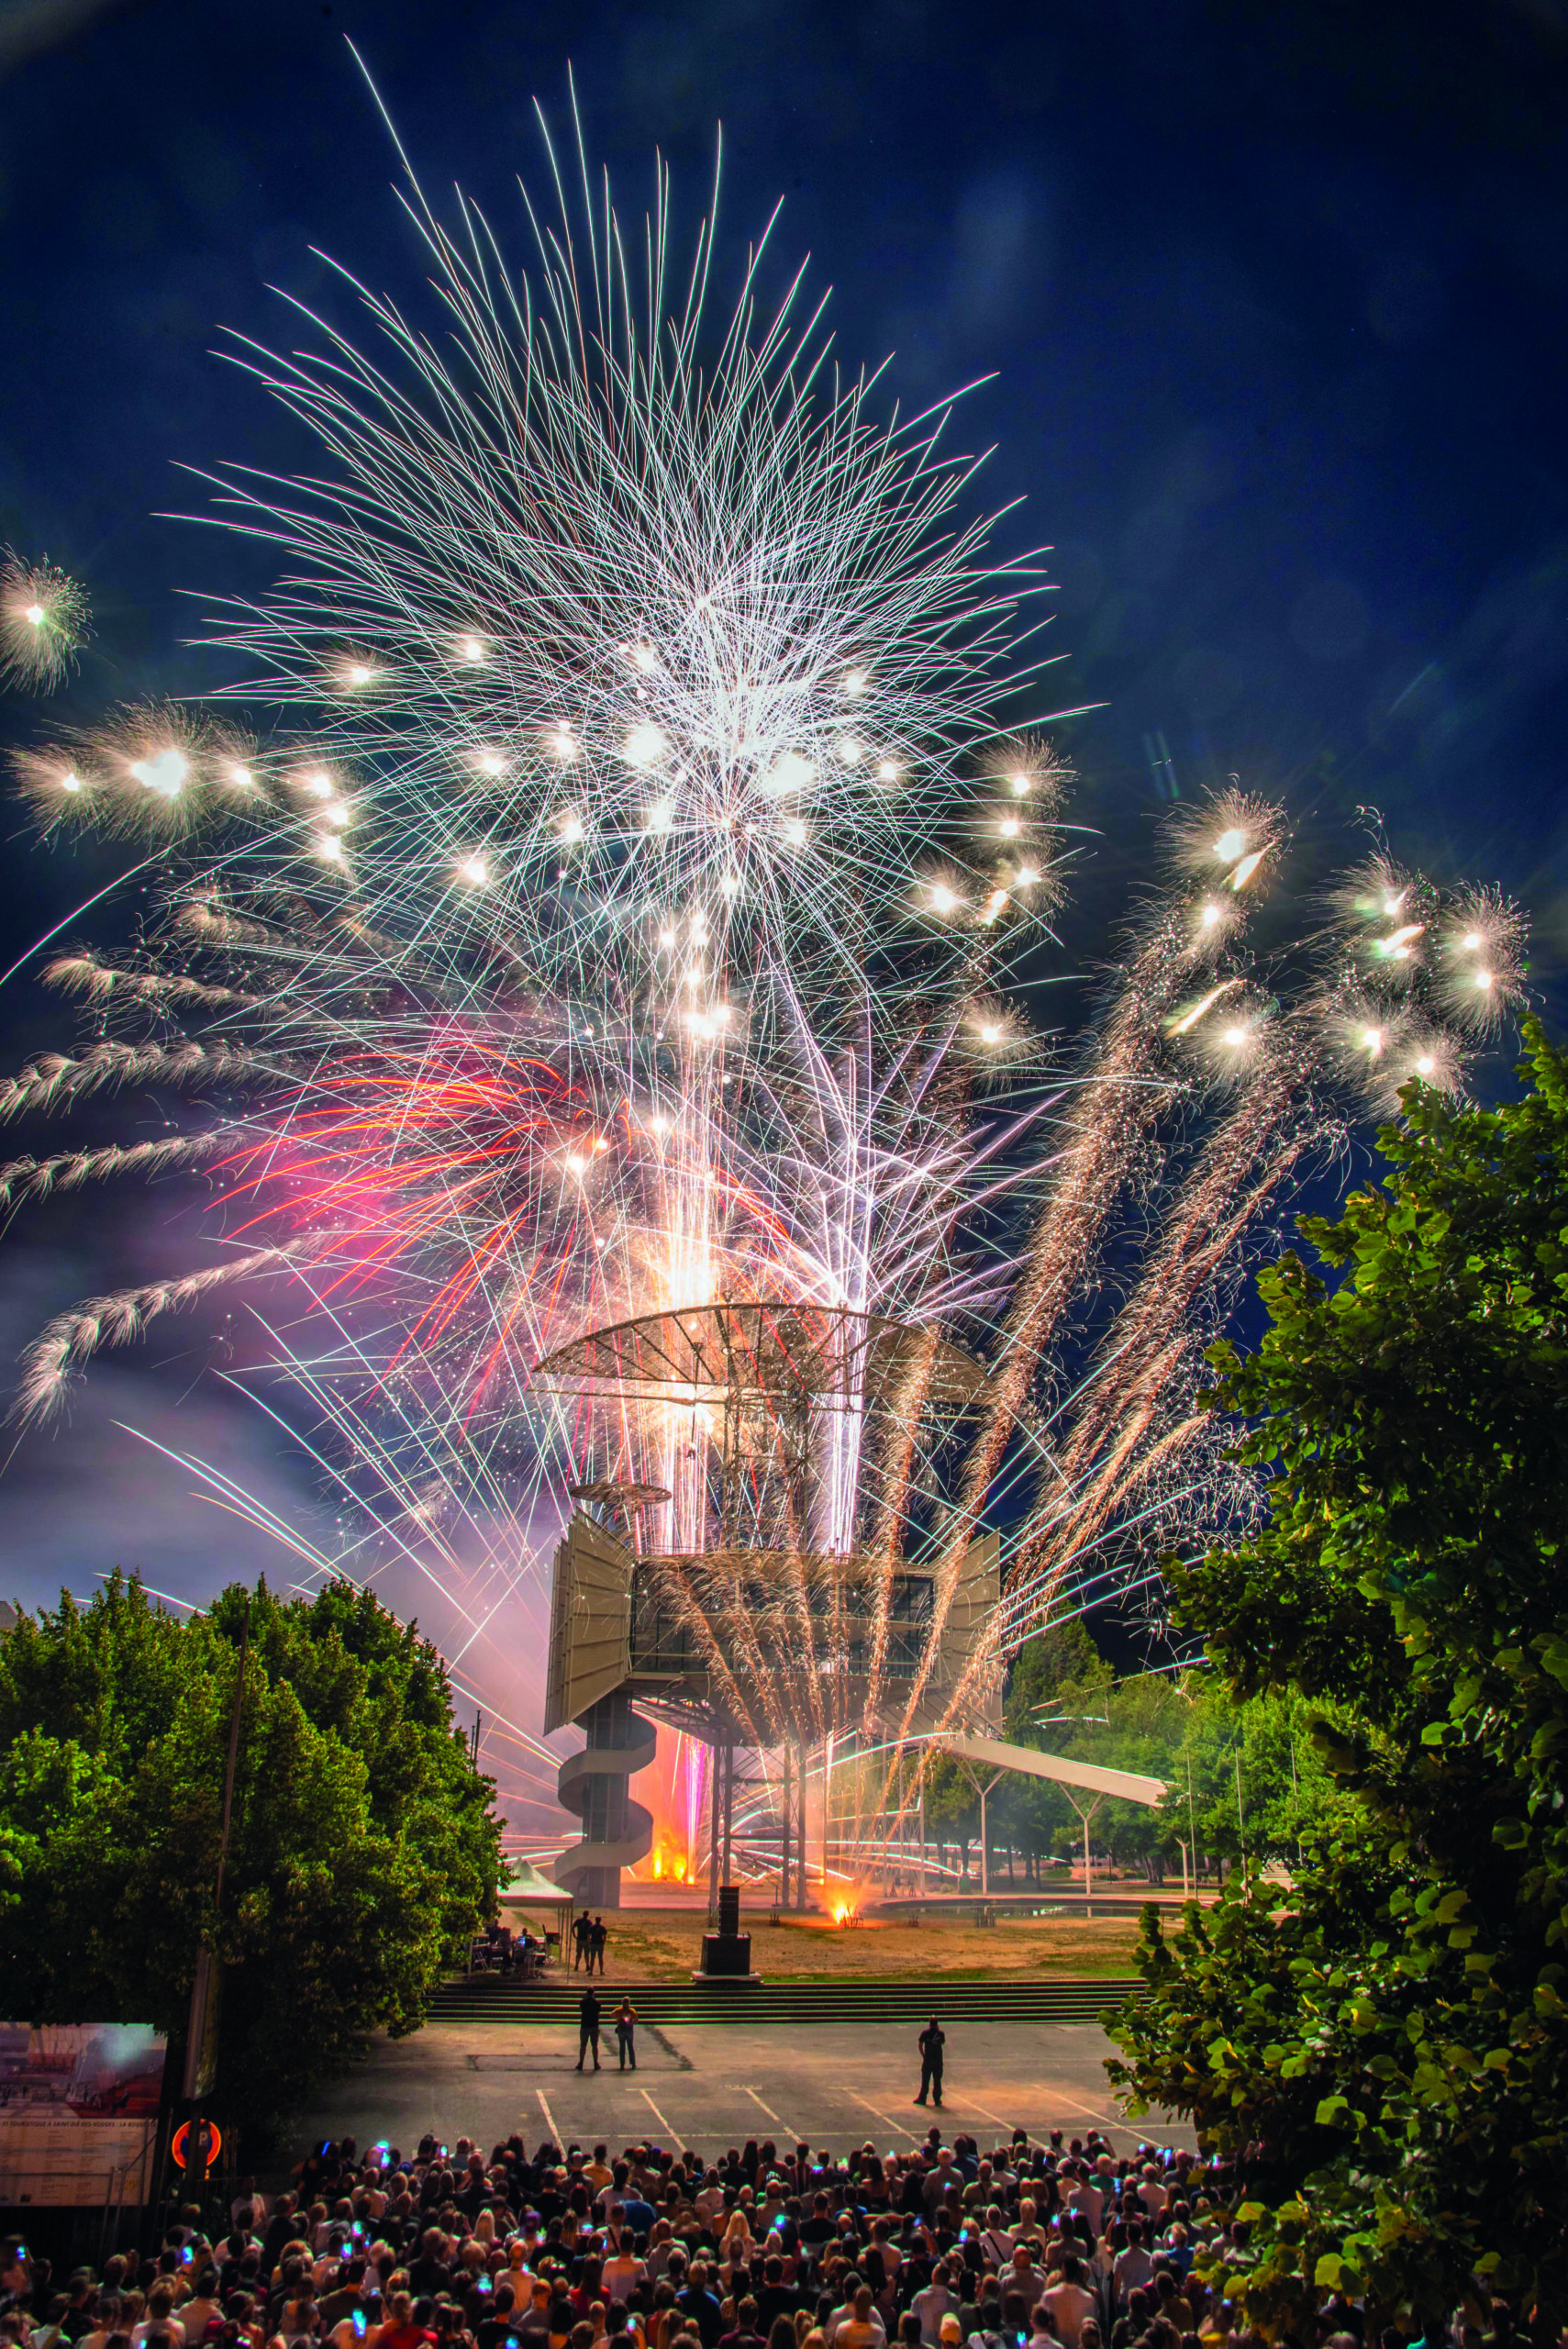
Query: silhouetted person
(933, 2039)
(588, 2028)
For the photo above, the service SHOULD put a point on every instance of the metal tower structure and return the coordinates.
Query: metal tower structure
(756, 1595)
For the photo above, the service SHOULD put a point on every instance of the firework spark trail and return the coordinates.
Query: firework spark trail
(1129, 1429)
(885, 1530)
(1118, 1105)
(1373, 1029)
(1240, 1168)
(392, 1512)
(115, 1320)
(55, 1080)
(676, 1590)
(37, 1178)
(96, 981)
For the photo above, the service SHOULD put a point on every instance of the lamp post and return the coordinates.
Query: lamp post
(200, 2032)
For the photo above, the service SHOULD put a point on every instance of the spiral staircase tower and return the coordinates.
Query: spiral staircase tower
(595, 1783)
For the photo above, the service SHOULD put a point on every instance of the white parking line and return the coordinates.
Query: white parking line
(773, 2117)
(985, 2115)
(549, 2117)
(887, 2118)
(658, 2116)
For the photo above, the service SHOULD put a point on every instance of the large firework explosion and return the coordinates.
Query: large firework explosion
(627, 905)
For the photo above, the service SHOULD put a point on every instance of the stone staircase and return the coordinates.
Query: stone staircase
(1062, 1999)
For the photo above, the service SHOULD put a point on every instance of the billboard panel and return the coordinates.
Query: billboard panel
(78, 2112)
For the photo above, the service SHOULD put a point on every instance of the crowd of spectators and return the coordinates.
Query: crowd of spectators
(1053, 2245)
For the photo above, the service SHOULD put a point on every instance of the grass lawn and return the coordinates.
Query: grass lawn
(665, 1944)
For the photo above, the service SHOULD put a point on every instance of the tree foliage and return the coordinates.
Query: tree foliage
(1386, 2053)
(1245, 1781)
(363, 1843)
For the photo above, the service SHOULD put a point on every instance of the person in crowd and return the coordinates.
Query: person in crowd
(1070, 2304)
(1133, 2266)
(744, 2334)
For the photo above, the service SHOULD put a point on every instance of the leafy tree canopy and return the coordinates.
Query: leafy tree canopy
(1385, 2052)
(364, 1845)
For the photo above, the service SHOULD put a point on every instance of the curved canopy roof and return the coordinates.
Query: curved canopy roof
(764, 1350)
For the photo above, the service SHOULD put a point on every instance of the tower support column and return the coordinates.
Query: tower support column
(721, 1818)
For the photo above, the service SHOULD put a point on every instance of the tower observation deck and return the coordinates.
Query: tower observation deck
(738, 1572)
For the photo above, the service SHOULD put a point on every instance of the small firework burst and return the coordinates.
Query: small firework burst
(1480, 948)
(43, 623)
(1230, 842)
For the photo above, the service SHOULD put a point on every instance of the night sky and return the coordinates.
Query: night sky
(1273, 301)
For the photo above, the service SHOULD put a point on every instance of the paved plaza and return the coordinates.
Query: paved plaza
(832, 2085)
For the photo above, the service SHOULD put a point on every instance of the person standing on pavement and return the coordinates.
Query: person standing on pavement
(596, 1945)
(580, 1929)
(588, 2027)
(626, 2033)
(932, 2041)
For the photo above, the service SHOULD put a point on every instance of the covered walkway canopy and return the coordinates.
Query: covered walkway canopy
(989, 1754)
(1125, 1783)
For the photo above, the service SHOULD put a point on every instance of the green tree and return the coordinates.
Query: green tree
(1047, 1679)
(1248, 1781)
(953, 1812)
(364, 1845)
(1386, 2054)
(1063, 1658)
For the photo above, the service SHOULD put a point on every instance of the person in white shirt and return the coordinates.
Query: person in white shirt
(1085, 2195)
(1133, 2266)
(995, 2242)
(622, 2272)
(934, 2303)
(1070, 2304)
(708, 2201)
(858, 2326)
(160, 2318)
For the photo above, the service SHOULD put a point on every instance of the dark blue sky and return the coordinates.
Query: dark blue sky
(1274, 296)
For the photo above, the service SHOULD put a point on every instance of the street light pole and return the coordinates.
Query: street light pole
(200, 2032)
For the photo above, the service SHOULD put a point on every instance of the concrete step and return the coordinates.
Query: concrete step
(1061, 1998)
